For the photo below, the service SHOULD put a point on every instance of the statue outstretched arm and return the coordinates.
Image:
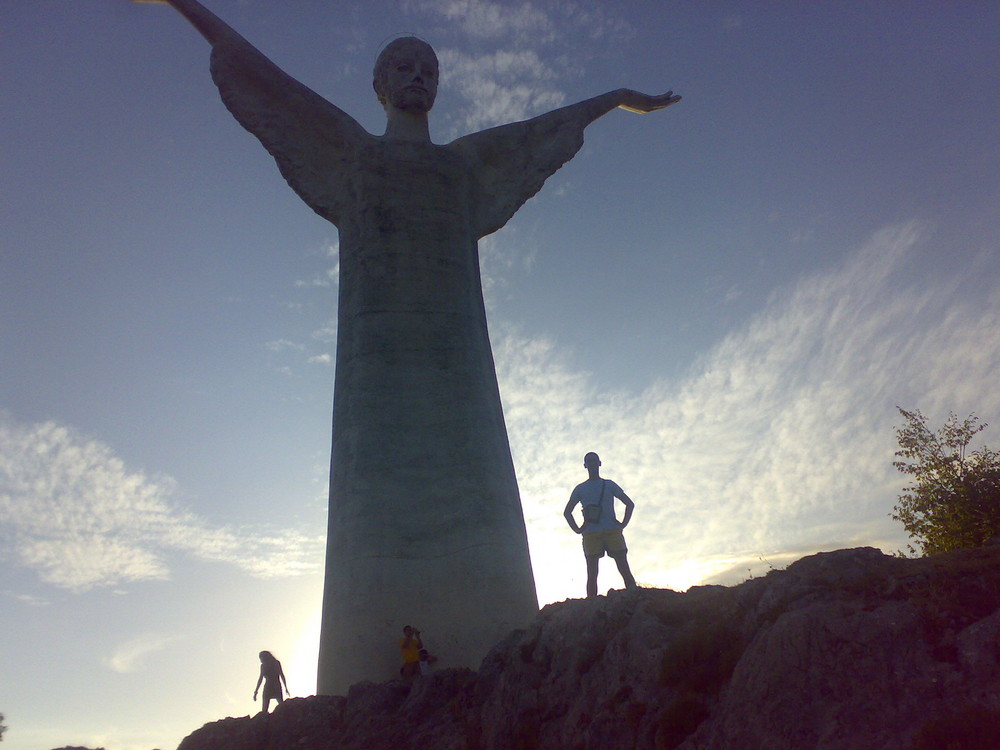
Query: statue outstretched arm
(311, 139)
(633, 101)
(512, 162)
(213, 28)
(583, 113)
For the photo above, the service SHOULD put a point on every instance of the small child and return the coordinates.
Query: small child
(425, 662)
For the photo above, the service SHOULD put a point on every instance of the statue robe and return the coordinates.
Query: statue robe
(425, 520)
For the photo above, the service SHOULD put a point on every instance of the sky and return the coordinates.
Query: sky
(726, 299)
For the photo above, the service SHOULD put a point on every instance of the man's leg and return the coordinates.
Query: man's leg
(592, 562)
(621, 560)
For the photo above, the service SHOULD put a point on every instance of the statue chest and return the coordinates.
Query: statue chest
(407, 244)
(411, 193)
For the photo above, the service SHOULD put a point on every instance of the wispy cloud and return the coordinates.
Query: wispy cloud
(73, 512)
(778, 444)
(528, 22)
(331, 275)
(28, 599)
(280, 345)
(526, 51)
(500, 87)
(781, 440)
(304, 347)
(130, 656)
(485, 19)
(327, 333)
(499, 260)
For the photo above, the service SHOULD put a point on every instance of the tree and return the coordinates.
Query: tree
(954, 499)
(3, 727)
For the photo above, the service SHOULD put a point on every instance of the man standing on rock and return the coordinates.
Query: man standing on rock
(601, 530)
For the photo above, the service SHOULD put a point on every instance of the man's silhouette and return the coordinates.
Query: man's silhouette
(601, 530)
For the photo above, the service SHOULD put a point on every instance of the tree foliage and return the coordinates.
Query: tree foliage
(953, 501)
(3, 727)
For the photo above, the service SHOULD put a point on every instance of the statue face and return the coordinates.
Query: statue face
(407, 77)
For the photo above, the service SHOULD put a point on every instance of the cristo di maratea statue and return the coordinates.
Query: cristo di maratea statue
(425, 522)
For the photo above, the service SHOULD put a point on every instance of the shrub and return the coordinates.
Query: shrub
(954, 500)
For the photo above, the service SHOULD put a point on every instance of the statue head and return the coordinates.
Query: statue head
(406, 75)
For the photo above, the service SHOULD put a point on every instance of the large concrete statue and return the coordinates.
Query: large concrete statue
(425, 523)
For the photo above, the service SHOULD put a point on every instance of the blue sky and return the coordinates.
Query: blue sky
(726, 300)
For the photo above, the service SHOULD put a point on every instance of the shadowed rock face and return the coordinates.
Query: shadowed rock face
(843, 650)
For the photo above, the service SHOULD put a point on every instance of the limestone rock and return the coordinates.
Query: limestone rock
(845, 650)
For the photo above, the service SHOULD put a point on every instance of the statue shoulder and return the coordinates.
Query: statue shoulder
(313, 141)
(510, 163)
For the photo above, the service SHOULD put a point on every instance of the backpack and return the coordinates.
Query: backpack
(592, 513)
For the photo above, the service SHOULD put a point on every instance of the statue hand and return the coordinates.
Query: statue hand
(634, 101)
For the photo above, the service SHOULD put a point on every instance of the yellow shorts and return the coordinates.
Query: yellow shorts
(596, 543)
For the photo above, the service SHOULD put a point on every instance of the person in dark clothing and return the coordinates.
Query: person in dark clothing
(272, 676)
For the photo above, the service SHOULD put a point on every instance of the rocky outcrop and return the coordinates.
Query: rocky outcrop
(842, 650)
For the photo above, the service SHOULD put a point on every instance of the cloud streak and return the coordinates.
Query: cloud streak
(75, 514)
(508, 78)
(131, 656)
(780, 441)
(484, 19)
(500, 87)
